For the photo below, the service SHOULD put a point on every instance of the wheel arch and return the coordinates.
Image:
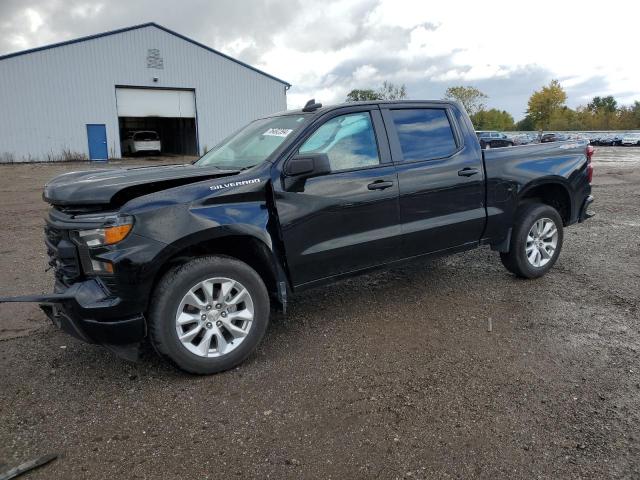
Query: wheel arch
(552, 191)
(239, 243)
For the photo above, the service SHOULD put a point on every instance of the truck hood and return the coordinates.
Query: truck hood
(112, 187)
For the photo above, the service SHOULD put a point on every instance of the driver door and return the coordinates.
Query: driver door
(348, 219)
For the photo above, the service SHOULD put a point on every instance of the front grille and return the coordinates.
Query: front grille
(63, 255)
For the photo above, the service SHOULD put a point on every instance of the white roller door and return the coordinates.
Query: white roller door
(155, 102)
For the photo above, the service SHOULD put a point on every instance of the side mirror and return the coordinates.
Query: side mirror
(304, 166)
(308, 165)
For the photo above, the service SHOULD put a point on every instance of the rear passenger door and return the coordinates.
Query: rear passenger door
(440, 178)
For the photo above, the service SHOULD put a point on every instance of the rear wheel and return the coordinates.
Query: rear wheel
(536, 241)
(209, 314)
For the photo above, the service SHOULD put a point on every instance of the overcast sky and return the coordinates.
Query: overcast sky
(327, 48)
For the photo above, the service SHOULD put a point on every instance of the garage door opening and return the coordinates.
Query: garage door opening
(169, 113)
(176, 135)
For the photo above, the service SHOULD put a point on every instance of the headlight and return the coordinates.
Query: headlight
(115, 229)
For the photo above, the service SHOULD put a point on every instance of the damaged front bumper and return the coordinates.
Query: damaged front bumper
(76, 310)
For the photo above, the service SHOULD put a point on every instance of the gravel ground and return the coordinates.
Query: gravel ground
(390, 375)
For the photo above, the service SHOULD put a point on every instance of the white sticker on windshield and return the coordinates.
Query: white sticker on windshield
(278, 132)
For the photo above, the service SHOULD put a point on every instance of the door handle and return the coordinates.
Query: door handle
(379, 185)
(467, 172)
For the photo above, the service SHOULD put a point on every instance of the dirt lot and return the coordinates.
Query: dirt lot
(391, 375)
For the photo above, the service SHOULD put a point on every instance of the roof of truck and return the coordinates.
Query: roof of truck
(327, 108)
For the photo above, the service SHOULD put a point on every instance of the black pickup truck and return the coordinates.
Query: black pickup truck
(193, 257)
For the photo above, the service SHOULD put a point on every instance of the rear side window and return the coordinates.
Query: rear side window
(424, 133)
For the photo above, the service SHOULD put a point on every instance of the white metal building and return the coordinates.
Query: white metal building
(78, 99)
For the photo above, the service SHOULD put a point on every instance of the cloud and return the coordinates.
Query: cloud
(327, 49)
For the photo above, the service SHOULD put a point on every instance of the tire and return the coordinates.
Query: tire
(523, 247)
(228, 346)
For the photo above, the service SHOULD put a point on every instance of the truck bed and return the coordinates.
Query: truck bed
(536, 151)
(513, 171)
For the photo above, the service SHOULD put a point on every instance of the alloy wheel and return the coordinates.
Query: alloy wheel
(214, 317)
(542, 242)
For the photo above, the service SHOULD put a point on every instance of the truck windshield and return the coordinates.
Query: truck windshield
(253, 144)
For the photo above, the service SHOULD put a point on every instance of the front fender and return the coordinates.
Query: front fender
(200, 228)
(181, 227)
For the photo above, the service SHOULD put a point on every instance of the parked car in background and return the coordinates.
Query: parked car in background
(141, 141)
(594, 138)
(606, 140)
(522, 139)
(578, 136)
(553, 137)
(631, 139)
(617, 138)
(493, 140)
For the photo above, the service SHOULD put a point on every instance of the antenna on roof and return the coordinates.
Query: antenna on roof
(311, 106)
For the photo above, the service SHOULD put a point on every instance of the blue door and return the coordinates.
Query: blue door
(97, 135)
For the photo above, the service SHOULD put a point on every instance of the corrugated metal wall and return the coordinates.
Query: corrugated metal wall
(47, 97)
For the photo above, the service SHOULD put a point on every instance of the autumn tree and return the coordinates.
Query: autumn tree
(564, 118)
(545, 102)
(628, 118)
(470, 97)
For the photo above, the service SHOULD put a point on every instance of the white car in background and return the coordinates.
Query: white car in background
(141, 141)
(631, 139)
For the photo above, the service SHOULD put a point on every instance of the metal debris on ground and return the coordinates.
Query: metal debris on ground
(27, 466)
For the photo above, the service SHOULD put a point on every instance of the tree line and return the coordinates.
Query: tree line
(546, 109)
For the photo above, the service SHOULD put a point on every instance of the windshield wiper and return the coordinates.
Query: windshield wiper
(224, 169)
(247, 168)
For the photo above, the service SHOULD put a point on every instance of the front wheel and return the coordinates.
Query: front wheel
(209, 314)
(536, 241)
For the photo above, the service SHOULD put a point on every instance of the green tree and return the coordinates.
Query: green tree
(389, 91)
(493, 119)
(362, 95)
(545, 102)
(471, 98)
(603, 104)
(526, 124)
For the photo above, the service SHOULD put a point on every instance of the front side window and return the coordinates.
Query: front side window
(253, 144)
(424, 133)
(348, 140)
